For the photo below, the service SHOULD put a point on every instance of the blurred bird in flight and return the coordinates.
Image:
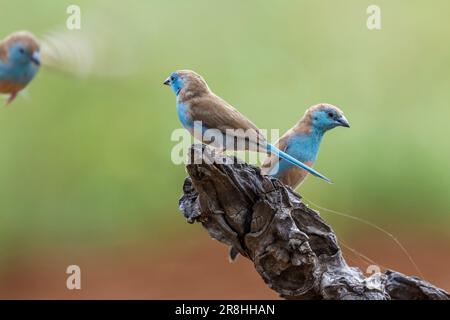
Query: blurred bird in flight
(302, 142)
(73, 53)
(196, 103)
(19, 62)
(22, 55)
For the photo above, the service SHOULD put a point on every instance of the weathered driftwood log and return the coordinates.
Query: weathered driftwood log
(293, 249)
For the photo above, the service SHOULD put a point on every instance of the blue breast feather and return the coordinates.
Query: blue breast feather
(302, 147)
(183, 115)
(22, 74)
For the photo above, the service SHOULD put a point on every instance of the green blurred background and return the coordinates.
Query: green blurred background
(85, 162)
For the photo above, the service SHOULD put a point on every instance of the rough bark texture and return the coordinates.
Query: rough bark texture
(293, 249)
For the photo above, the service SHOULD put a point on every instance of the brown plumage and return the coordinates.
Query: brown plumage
(216, 113)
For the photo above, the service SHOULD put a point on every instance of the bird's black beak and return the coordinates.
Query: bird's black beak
(343, 122)
(36, 58)
(167, 82)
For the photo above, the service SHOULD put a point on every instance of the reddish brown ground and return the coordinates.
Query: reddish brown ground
(192, 272)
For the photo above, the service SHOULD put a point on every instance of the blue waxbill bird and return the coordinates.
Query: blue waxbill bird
(302, 142)
(22, 55)
(19, 62)
(196, 103)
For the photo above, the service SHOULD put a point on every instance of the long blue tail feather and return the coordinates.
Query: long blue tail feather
(287, 157)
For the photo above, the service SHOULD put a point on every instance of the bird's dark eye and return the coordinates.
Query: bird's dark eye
(172, 78)
(22, 50)
(330, 114)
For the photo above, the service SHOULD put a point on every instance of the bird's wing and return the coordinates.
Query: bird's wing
(218, 114)
(69, 52)
(215, 113)
(3, 52)
(85, 53)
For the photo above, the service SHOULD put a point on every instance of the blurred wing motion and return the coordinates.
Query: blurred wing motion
(82, 53)
(67, 51)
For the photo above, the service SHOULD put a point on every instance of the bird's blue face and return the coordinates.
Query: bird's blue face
(328, 118)
(19, 54)
(175, 82)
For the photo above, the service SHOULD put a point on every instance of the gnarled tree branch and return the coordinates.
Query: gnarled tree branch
(292, 248)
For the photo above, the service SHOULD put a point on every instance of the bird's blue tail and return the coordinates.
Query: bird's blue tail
(285, 156)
